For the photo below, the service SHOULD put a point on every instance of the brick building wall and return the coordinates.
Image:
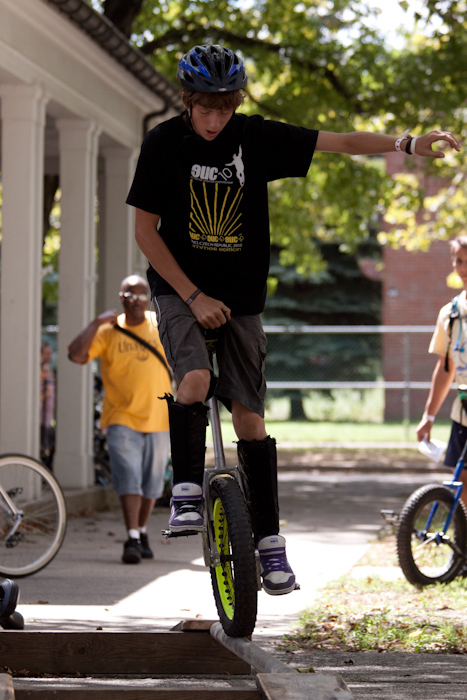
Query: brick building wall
(414, 290)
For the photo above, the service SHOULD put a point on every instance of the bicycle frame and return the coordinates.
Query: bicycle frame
(18, 514)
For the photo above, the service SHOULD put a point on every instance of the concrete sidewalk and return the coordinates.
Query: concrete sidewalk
(329, 519)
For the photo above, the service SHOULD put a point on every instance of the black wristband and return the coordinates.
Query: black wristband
(407, 146)
(193, 297)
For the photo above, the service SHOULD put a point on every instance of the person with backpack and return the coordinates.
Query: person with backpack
(136, 420)
(449, 342)
(200, 193)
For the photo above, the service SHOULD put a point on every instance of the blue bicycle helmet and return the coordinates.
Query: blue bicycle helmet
(211, 68)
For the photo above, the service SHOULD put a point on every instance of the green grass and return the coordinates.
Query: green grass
(373, 614)
(338, 416)
(343, 431)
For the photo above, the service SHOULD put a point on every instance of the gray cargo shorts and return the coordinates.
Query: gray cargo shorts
(241, 351)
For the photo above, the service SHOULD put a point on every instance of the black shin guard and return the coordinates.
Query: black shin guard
(258, 459)
(188, 440)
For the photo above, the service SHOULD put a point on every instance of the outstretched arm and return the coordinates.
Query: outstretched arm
(366, 143)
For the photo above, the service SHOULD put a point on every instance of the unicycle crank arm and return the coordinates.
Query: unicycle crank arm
(443, 540)
(185, 533)
(457, 550)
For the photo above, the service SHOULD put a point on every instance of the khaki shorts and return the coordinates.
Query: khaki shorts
(241, 352)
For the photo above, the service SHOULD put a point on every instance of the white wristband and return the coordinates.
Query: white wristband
(412, 145)
(399, 141)
(426, 416)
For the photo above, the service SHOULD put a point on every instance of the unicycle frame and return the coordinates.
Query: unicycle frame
(229, 550)
(220, 470)
(455, 484)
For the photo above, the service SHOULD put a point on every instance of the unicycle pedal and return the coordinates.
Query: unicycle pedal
(185, 533)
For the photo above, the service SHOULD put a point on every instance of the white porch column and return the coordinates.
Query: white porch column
(78, 146)
(116, 240)
(23, 127)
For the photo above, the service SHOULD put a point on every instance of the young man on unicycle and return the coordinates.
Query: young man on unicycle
(200, 192)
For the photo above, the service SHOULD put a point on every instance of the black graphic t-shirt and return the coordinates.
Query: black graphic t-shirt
(213, 202)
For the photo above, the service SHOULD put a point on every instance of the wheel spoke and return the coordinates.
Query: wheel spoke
(28, 487)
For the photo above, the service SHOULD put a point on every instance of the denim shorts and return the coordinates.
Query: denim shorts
(137, 460)
(241, 351)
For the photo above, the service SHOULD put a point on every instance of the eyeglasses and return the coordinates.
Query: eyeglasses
(129, 296)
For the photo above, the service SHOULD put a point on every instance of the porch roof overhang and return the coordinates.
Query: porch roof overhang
(98, 27)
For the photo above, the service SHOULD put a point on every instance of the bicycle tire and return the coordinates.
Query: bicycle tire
(234, 579)
(424, 562)
(35, 491)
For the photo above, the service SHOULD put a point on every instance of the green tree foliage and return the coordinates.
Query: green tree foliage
(337, 294)
(50, 254)
(319, 63)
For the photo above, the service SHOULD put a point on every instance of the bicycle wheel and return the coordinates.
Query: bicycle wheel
(32, 516)
(234, 577)
(426, 555)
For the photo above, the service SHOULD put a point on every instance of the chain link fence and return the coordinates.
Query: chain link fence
(358, 373)
(344, 373)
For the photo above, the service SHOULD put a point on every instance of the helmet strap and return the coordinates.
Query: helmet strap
(189, 112)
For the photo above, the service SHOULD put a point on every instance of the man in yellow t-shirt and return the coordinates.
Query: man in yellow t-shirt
(136, 419)
(449, 342)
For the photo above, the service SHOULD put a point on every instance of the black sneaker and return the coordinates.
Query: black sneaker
(14, 622)
(131, 551)
(146, 551)
(9, 596)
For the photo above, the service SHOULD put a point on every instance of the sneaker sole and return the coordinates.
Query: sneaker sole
(283, 591)
(186, 528)
(131, 558)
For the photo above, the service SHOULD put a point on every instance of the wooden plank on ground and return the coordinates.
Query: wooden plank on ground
(136, 694)
(193, 626)
(249, 652)
(6, 687)
(302, 686)
(116, 653)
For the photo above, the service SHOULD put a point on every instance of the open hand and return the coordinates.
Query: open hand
(424, 144)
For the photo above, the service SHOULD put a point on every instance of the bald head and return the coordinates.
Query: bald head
(133, 281)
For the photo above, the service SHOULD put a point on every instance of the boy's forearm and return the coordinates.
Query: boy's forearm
(367, 143)
(161, 259)
(440, 386)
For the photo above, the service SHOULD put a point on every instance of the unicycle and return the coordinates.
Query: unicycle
(228, 542)
(432, 531)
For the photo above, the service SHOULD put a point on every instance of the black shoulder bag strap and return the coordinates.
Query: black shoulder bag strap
(148, 346)
(454, 314)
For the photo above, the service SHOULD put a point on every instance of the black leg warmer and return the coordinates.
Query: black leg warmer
(258, 460)
(188, 440)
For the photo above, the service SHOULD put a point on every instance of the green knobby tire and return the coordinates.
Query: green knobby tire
(423, 560)
(234, 577)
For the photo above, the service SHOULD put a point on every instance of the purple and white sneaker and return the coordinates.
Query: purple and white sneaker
(278, 577)
(187, 504)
